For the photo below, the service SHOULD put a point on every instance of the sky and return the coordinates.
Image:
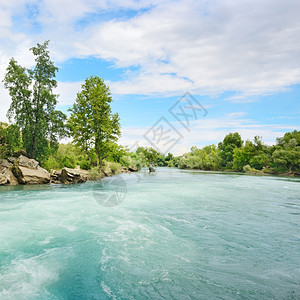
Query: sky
(228, 65)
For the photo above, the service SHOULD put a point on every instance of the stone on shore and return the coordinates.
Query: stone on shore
(151, 169)
(73, 176)
(55, 176)
(28, 171)
(132, 169)
(6, 175)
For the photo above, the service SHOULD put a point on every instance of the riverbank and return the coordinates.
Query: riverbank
(248, 172)
(25, 171)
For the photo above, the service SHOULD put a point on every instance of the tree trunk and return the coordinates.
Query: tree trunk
(100, 161)
(32, 147)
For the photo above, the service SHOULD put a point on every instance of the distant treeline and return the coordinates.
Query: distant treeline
(233, 154)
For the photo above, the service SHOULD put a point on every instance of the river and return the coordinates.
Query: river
(174, 234)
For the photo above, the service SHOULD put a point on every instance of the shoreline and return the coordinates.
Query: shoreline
(285, 175)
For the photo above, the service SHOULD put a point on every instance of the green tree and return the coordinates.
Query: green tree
(92, 123)
(283, 142)
(286, 157)
(151, 155)
(10, 139)
(33, 103)
(230, 142)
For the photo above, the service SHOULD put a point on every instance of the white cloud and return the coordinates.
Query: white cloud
(206, 47)
(246, 46)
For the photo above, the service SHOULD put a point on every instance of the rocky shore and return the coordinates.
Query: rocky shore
(23, 170)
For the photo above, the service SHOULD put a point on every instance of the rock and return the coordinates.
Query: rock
(5, 163)
(7, 177)
(55, 176)
(151, 169)
(28, 171)
(12, 159)
(133, 169)
(125, 170)
(73, 175)
(11, 179)
(24, 161)
(3, 179)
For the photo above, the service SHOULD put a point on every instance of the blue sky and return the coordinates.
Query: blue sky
(239, 59)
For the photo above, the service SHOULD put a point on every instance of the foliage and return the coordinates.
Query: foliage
(207, 158)
(33, 103)
(252, 157)
(230, 142)
(116, 152)
(150, 155)
(94, 174)
(10, 140)
(113, 168)
(92, 124)
(67, 155)
(249, 170)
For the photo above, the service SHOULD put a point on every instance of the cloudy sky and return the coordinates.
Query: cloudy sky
(240, 60)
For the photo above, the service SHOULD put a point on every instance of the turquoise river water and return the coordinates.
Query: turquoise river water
(176, 235)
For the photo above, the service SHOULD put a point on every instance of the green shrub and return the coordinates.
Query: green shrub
(127, 161)
(68, 162)
(268, 170)
(85, 165)
(112, 168)
(249, 170)
(94, 174)
(52, 164)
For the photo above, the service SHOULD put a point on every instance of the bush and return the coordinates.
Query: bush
(127, 161)
(85, 165)
(112, 168)
(68, 162)
(52, 164)
(268, 170)
(94, 174)
(247, 169)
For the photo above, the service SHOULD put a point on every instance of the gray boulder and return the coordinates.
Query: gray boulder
(5, 163)
(132, 169)
(6, 175)
(73, 175)
(28, 171)
(3, 179)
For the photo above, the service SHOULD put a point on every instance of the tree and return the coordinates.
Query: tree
(151, 155)
(283, 142)
(33, 103)
(10, 139)
(286, 156)
(92, 123)
(230, 142)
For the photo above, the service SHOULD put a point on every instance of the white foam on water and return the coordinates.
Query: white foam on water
(107, 290)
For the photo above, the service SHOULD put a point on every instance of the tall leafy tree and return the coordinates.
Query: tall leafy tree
(92, 124)
(230, 142)
(33, 103)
